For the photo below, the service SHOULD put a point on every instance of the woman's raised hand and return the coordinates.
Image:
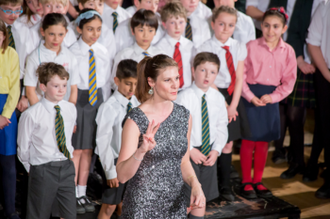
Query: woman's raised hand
(148, 138)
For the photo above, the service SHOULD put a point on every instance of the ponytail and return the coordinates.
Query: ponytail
(142, 87)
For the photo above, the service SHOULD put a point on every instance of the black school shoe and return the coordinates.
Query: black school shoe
(79, 207)
(226, 193)
(262, 193)
(87, 204)
(323, 192)
(311, 173)
(251, 194)
(292, 171)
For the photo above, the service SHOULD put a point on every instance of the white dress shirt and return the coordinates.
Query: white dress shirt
(200, 29)
(101, 56)
(69, 38)
(203, 11)
(191, 98)
(244, 29)
(131, 9)
(133, 52)
(108, 18)
(35, 18)
(124, 37)
(109, 129)
(237, 50)
(319, 30)
(262, 5)
(23, 42)
(36, 133)
(167, 44)
(42, 54)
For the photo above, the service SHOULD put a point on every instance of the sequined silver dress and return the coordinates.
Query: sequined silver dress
(156, 190)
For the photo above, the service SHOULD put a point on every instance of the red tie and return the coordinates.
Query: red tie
(231, 68)
(177, 58)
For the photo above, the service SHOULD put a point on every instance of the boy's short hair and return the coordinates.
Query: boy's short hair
(11, 2)
(221, 9)
(82, 2)
(127, 68)
(173, 9)
(63, 2)
(144, 17)
(47, 70)
(203, 57)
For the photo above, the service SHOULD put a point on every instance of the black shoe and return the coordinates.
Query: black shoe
(80, 208)
(251, 194)
(311, 174)
(323, 192)
(233, 173)
(262, 193)
(293, 170)
(87, 204)
(279, 156)
(227, 194)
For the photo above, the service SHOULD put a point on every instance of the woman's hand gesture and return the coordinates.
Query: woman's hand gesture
(148, 138)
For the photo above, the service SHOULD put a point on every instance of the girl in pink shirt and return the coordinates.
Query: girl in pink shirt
(269, 76)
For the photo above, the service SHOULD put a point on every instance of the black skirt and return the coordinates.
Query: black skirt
(85, 135)
(240, 128)
(264, 120)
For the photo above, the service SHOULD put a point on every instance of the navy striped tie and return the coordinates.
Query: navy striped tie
(188, 32)
(60, 134)
(205, 129)
(11, 38)
(129, 107)
(115, 21)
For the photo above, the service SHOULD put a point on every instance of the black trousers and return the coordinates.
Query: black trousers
(322, 91)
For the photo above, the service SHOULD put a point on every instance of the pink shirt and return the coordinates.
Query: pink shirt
(275, 68)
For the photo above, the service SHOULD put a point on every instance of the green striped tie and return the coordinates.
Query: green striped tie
(115, 21)
(205, 129)
(129, 107)
(92, 79)
(59, 131)
(188, 31)
(11, 38)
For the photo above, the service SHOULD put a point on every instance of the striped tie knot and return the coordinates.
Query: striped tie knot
(115, 21)
(177, 45)
(11, 38)
(92, 79)
(206, 148)
(231, 69)
(146, 54)
(188, 32)
(59, 132)
(129, 107)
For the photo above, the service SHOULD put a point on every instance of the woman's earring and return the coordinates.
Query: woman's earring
(151, 91)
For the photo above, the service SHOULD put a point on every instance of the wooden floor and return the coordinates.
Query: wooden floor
(294, 191)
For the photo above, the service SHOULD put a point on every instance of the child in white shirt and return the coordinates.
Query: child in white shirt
(114, 14)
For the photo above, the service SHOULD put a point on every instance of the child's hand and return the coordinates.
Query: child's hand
(257, 102)
(22, 104)
(197, 156)
(148, 138)
(113, 183)
(232, 113)
(4, 122)
(266, 99)
(211, 158)
(305, 67)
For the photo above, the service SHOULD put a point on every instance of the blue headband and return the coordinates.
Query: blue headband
(87, 15)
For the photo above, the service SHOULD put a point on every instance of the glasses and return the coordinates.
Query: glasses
(10, 12)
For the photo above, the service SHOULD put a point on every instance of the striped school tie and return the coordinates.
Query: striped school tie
(146, 54)
(115, 21)
(205, 129)
(231, 69)
(92, 79)
(11, 38)
(178, 59)
(188, 32)
(59, 131)
(129, 107)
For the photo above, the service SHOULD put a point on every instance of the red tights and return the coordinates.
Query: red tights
(260, 149)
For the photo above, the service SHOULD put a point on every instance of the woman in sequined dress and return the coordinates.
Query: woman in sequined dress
(154, 154)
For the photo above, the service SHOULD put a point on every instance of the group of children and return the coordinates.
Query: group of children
(77, 91)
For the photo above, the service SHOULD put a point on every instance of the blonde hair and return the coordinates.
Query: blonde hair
(150, 68)
(173, 9)
(63, 2)
(221, 9)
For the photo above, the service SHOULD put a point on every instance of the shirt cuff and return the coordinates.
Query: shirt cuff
(111, 174)
(313, 42)
(275, 97)
(6, 113)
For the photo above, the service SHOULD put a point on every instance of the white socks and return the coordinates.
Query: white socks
(80, 191)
